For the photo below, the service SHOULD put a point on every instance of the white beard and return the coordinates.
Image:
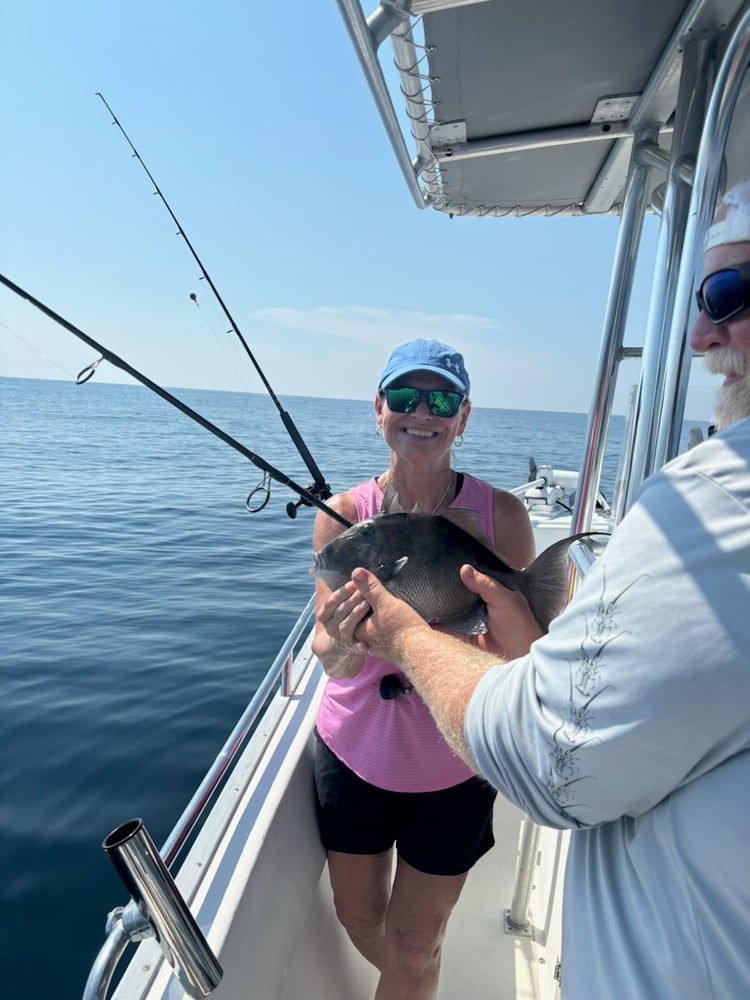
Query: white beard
(733, 401)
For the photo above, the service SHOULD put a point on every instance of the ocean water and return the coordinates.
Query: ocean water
(141, 605)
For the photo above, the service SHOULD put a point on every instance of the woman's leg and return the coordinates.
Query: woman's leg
(361, 886)
(415, 924)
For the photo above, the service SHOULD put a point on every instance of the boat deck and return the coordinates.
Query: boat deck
(480, 960)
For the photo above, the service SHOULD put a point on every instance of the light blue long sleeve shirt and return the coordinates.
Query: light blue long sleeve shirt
(629, 723)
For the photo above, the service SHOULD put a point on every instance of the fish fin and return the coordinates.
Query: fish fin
(387, 571)
(473, 623)
(544, 583)
(469, 521)
(391, 504)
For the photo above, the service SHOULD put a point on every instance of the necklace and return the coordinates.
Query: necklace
(442, 498)
(385, 489)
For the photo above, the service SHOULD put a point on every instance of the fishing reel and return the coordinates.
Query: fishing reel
(321, 494)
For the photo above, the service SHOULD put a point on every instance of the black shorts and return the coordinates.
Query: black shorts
(438, 833)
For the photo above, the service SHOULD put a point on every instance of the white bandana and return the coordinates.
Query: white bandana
(732, 223)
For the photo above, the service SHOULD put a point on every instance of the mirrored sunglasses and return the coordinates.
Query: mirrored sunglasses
(725, 293)
(440, 402)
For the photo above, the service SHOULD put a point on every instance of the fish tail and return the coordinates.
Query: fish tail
(544, 583)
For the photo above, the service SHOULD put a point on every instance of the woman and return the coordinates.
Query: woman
(384, 774)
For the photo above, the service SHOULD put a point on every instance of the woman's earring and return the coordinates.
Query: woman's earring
(458, 441)
(379, 430)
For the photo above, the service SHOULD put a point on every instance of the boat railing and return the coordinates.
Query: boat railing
(135, 921)
(583, 557)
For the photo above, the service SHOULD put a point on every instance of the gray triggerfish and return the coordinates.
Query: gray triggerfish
(417, 557)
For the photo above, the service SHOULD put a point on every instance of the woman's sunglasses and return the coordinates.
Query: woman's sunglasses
(440, 402)
(725, 293)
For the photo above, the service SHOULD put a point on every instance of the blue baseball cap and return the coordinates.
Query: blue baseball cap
(426, 356)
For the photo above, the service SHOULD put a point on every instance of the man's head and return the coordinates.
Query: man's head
(722, 329)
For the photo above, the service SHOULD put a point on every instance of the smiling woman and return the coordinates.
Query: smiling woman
(409, 785)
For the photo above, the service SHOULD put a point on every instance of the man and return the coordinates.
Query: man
(629, 722)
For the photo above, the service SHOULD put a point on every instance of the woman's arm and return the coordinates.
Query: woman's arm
(514, 537)
(335, 651)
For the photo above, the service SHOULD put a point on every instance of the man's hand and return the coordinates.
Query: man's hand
(390, 622)
(511, 626)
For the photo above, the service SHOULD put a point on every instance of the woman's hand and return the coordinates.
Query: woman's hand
(334, 648)
(334, 643)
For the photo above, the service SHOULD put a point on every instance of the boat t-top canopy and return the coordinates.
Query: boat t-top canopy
(530, 108)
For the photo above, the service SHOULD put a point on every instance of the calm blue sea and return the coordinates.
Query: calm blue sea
(141, 606)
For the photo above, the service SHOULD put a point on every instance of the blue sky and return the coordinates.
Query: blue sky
(255, 120)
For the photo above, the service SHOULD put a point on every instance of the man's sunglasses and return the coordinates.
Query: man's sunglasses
(440, 402)
(725, 293)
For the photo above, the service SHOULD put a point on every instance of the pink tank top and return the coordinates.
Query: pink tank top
(394, 743)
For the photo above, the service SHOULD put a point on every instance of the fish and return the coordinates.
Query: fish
(417, 557)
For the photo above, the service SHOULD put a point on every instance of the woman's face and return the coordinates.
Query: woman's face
(420, 436)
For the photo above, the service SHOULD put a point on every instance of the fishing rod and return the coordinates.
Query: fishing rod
(319, 487)
(308, 497)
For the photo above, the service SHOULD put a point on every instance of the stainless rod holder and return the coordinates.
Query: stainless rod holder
(158, 899)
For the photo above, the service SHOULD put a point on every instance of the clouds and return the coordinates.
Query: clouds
(370, 324)
(339, 352)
